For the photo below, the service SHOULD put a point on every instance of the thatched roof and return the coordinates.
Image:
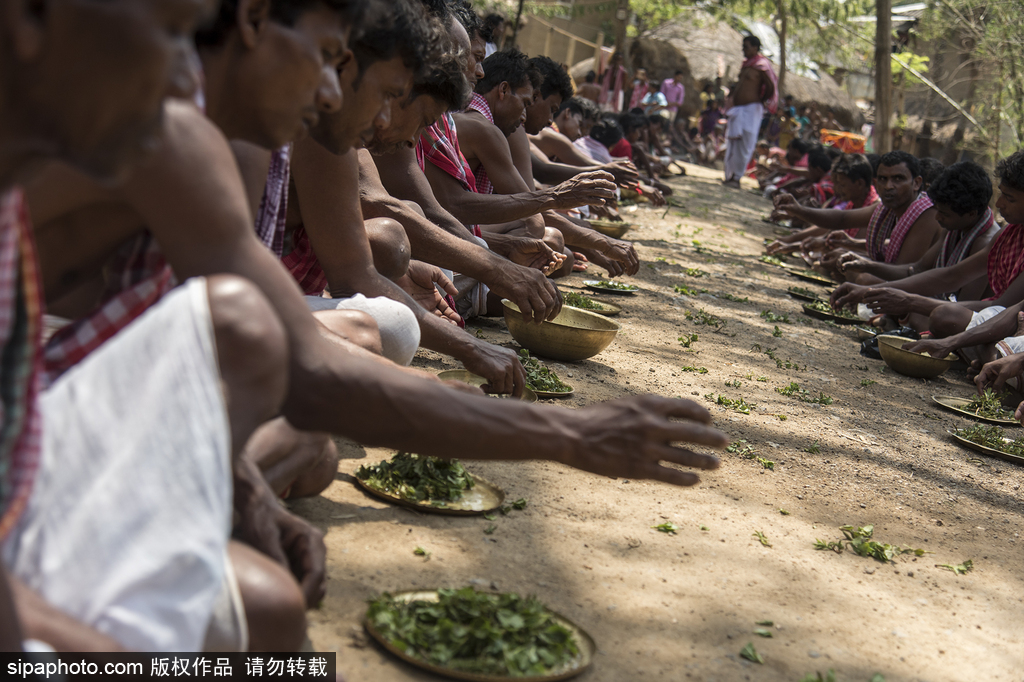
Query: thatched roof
(703, 48)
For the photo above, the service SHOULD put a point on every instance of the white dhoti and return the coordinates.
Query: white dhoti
(399, 329)
(741, 134)
(128, 524)
(471, 300)
(1008, 346)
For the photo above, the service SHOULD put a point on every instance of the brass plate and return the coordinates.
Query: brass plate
(838, 319)
(611, 228)
(607, 309)
(803, 297)
(482, 498)
(957, 405)
(467, 377)
(592, 284)
(864, 333)
(816, 278)
(555, 394)
(583, 662)
(971, 445)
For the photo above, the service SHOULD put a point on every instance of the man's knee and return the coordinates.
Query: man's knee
(414, 207)
(320, 474)
(948, 319)
(390, 246)
(554, 239)
(353, 325)
(275, 609)
(251, 342)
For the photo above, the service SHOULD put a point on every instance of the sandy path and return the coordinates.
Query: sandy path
(682, 607)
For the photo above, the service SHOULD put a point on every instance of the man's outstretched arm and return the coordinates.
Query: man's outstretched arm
(829, 218)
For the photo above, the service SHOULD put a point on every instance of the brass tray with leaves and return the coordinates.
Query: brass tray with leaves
(595, 285)
(583, 661)
(467, 377)
(482, 498)
(822, 315)
(991, 452)
(959, 405)
(811, 276)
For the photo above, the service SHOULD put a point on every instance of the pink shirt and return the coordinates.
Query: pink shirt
(674, 92)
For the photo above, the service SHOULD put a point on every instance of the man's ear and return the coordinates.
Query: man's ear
(918, 182)
(252, 18)
(25, 23)
(504, 90)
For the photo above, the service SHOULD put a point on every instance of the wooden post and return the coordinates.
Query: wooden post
(547, 41)
(621, 17)
(883, 77)
(597, 52)
(570, 53)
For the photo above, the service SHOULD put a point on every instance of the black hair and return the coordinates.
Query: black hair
(655, 84)
(555, 77)
(574, 105)
(817, 158)
(833, 152)
(874, 160)
(590, 77)
(799, 145)
(678, 72)
(439, 9)
(1010, 171)
(632, 121)
(285, 12)
(930, 169)
(855, 167)
(506, 66)
(965, 187)
(445, 80)
(487, 26)
(591, 112)
(464, 13)
(753, 40)
(607, 131)
(399, 28)
(898, 156)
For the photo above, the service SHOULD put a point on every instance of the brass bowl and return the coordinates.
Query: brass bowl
(610, 228)
(574, 335)
(917, 365)
(467, 377)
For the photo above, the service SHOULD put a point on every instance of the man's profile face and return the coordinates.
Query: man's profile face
(748, 50)
(895, 185)
(541, 112)
(570, 124)
(90, 80)
(475, 65)
(1010, 204)
(296, 76)
(949, 219)
(408, 120)
(367, 104)
(844, 187)
(509, 110)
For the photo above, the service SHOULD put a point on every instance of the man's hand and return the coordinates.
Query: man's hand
(837, 239)
(624, 172)
(266, 526)
(621, 252)
(937, 348)
(529, 289)
(995, 374)
(531, 253)
(500, 366)
(419, 283)
(586, 189)
(785, 206)
(847, 294)
(631, 437)
(888, 301)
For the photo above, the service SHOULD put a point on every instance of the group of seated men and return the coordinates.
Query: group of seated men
(241, 234)
(935, 259)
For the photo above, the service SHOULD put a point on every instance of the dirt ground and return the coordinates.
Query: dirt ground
(674, 607)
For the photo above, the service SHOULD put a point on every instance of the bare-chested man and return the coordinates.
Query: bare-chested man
(756, 89)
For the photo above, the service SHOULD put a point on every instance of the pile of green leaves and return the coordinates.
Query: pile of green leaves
(774, 317)
(539, 377)
(992, 437)
(736, 405)
(704, 317)
(687, 291)
(861, 543)
(990, 404)
(803, 291)
(618, 286)
(477, 632)
(770, 260)
(695, 272)
(578, 300)
(825, 307)
(803, 395)
(417, 478)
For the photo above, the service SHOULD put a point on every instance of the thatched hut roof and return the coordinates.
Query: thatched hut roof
(703, 47)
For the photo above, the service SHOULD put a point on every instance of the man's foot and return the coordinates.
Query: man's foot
(735, 184)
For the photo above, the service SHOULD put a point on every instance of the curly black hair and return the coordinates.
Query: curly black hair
(1010, 171)
(398, 28)
(445, 80)
(931, 168)
(507, 66)
(817, 158)
(607, 131)
(855, 167)
(490, 22)
(466, 15)
(285, 12)
(898, 156)
(965, 187)
(555, 77)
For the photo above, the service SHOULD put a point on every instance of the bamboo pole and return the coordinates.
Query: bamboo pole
(883, 77)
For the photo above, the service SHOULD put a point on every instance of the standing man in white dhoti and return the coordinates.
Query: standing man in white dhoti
(756, 90)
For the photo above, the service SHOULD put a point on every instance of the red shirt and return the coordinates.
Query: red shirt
(622, 148)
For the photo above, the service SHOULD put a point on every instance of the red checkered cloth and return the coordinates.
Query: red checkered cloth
(302, 262)
(957, 245)
(439, 144)
(273, 212)
(1006, 259)
(137, 277)
(824, 190)
(847, 205)
(483, 183)
(21, 317)
(886, 231)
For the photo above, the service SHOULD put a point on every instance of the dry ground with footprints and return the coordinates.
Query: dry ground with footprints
(682, 606)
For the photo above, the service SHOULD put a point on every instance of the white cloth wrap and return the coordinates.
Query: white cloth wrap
(471, 300)
(399, 328)
(1009, 345)
(129, 520)
(741, 133)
